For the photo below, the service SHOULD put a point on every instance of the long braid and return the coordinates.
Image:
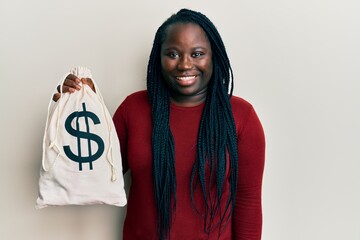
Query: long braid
(216, 136)
(162, 143)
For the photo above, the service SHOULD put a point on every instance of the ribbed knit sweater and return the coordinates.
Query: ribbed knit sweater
(134, 128)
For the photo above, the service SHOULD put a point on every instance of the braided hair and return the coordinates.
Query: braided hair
(216, 142)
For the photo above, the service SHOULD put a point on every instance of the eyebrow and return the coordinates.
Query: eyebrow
(193, 49)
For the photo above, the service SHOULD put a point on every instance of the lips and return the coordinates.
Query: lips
(186, 80)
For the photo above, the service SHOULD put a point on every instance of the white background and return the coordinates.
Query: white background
(296, 61)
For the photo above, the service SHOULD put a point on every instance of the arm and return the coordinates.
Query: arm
(247, 218)
(120, 125)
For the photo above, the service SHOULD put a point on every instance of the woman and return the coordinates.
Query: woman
(196, 153)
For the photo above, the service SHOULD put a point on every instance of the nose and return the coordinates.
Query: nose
(185, 63)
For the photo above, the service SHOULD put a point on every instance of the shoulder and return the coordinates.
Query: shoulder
(240, 106)
(243, 112)
(135, 103)
(136, 100)
(137, 97)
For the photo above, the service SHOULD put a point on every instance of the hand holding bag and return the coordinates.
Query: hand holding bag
(81, 161)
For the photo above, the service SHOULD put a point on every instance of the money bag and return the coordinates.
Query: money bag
(81, 160)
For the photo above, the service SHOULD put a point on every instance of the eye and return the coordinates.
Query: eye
(197, 54)
(172, 54)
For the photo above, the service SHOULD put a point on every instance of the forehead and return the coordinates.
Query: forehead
(185, 34)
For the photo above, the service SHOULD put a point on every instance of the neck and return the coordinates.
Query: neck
(188, 101)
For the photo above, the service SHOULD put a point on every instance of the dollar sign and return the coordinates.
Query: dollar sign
(85, 135)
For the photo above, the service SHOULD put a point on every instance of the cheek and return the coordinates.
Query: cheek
(166, 65)
(209, 67)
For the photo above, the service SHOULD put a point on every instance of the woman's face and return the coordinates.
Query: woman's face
(186, 63)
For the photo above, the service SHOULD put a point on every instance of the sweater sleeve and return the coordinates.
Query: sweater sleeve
(247, 218)
(119, 119)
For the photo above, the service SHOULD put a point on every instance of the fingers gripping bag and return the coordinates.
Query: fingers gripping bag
(81, 161)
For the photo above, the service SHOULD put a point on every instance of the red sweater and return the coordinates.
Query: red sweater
(133, 124)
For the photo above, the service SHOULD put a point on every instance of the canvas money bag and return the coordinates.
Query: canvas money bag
(81, 161)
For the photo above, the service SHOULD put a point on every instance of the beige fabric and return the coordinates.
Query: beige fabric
(81, 162)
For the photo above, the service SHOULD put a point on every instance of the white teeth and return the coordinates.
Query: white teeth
(186, 78)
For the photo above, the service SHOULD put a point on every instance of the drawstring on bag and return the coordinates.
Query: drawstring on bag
(80, 73)
(53, 142)
(109, 155)
(70, 139)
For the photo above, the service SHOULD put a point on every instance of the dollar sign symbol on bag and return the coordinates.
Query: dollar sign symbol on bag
(85, 135)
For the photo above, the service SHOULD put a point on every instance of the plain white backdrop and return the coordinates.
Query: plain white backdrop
(297, 62)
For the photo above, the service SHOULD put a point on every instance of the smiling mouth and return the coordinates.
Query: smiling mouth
(186, 78)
